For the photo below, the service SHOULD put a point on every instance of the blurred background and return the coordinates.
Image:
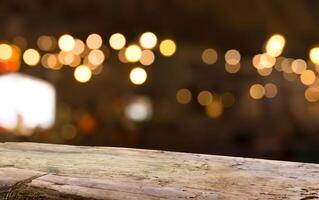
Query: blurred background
(220, 77)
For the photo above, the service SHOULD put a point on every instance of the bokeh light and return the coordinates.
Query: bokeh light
(307, 77)
(264, 71)
(215, 109)
(94, 41)
(5, 52)
(31, 57)
(117, 41)
(133, 53)
(298, 66)
(147, 57)
(139, 109)
(232, 57)
(138, 75)
(167, 47)
(204, 98)
(65, 58)
(270, 90)
(46, 43)
(66, 42)
(96, 57)
(275, 45)
(82, 73)
(79, 47)
(314, 55)
(183, 96)
(209, 56)
(232, 69)
(257, 91)
(121, 56)
(21, 42)
(148, 40)
(312, 94)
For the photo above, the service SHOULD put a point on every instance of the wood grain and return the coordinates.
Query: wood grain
(46, 171)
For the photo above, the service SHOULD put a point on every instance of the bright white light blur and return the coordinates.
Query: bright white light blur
(66, 42)
(117, 41)
(148, 40)
(133, 53)
(275, 45)
(138, 75)
(26, 103)
(139, 109)
(82, 73)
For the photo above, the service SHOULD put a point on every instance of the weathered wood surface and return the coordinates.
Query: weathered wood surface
(45, 171)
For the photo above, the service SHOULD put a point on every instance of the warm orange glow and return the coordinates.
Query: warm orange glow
(215, 109)
(96, 57)
(94, 41)
(298, 66)
(270, 90)
(232, 69)
(257, 91)
(79, 47)
(183, 96)
(314, 55)
(232, 57)
(31, 57)
(167, 47)
(275, 45)
(5, 52)
(307, 77)
(46, 43)
(147, 57)
(209, 56)
(204, 98)
(312, 94)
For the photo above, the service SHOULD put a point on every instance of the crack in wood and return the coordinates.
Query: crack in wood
(20, 184)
